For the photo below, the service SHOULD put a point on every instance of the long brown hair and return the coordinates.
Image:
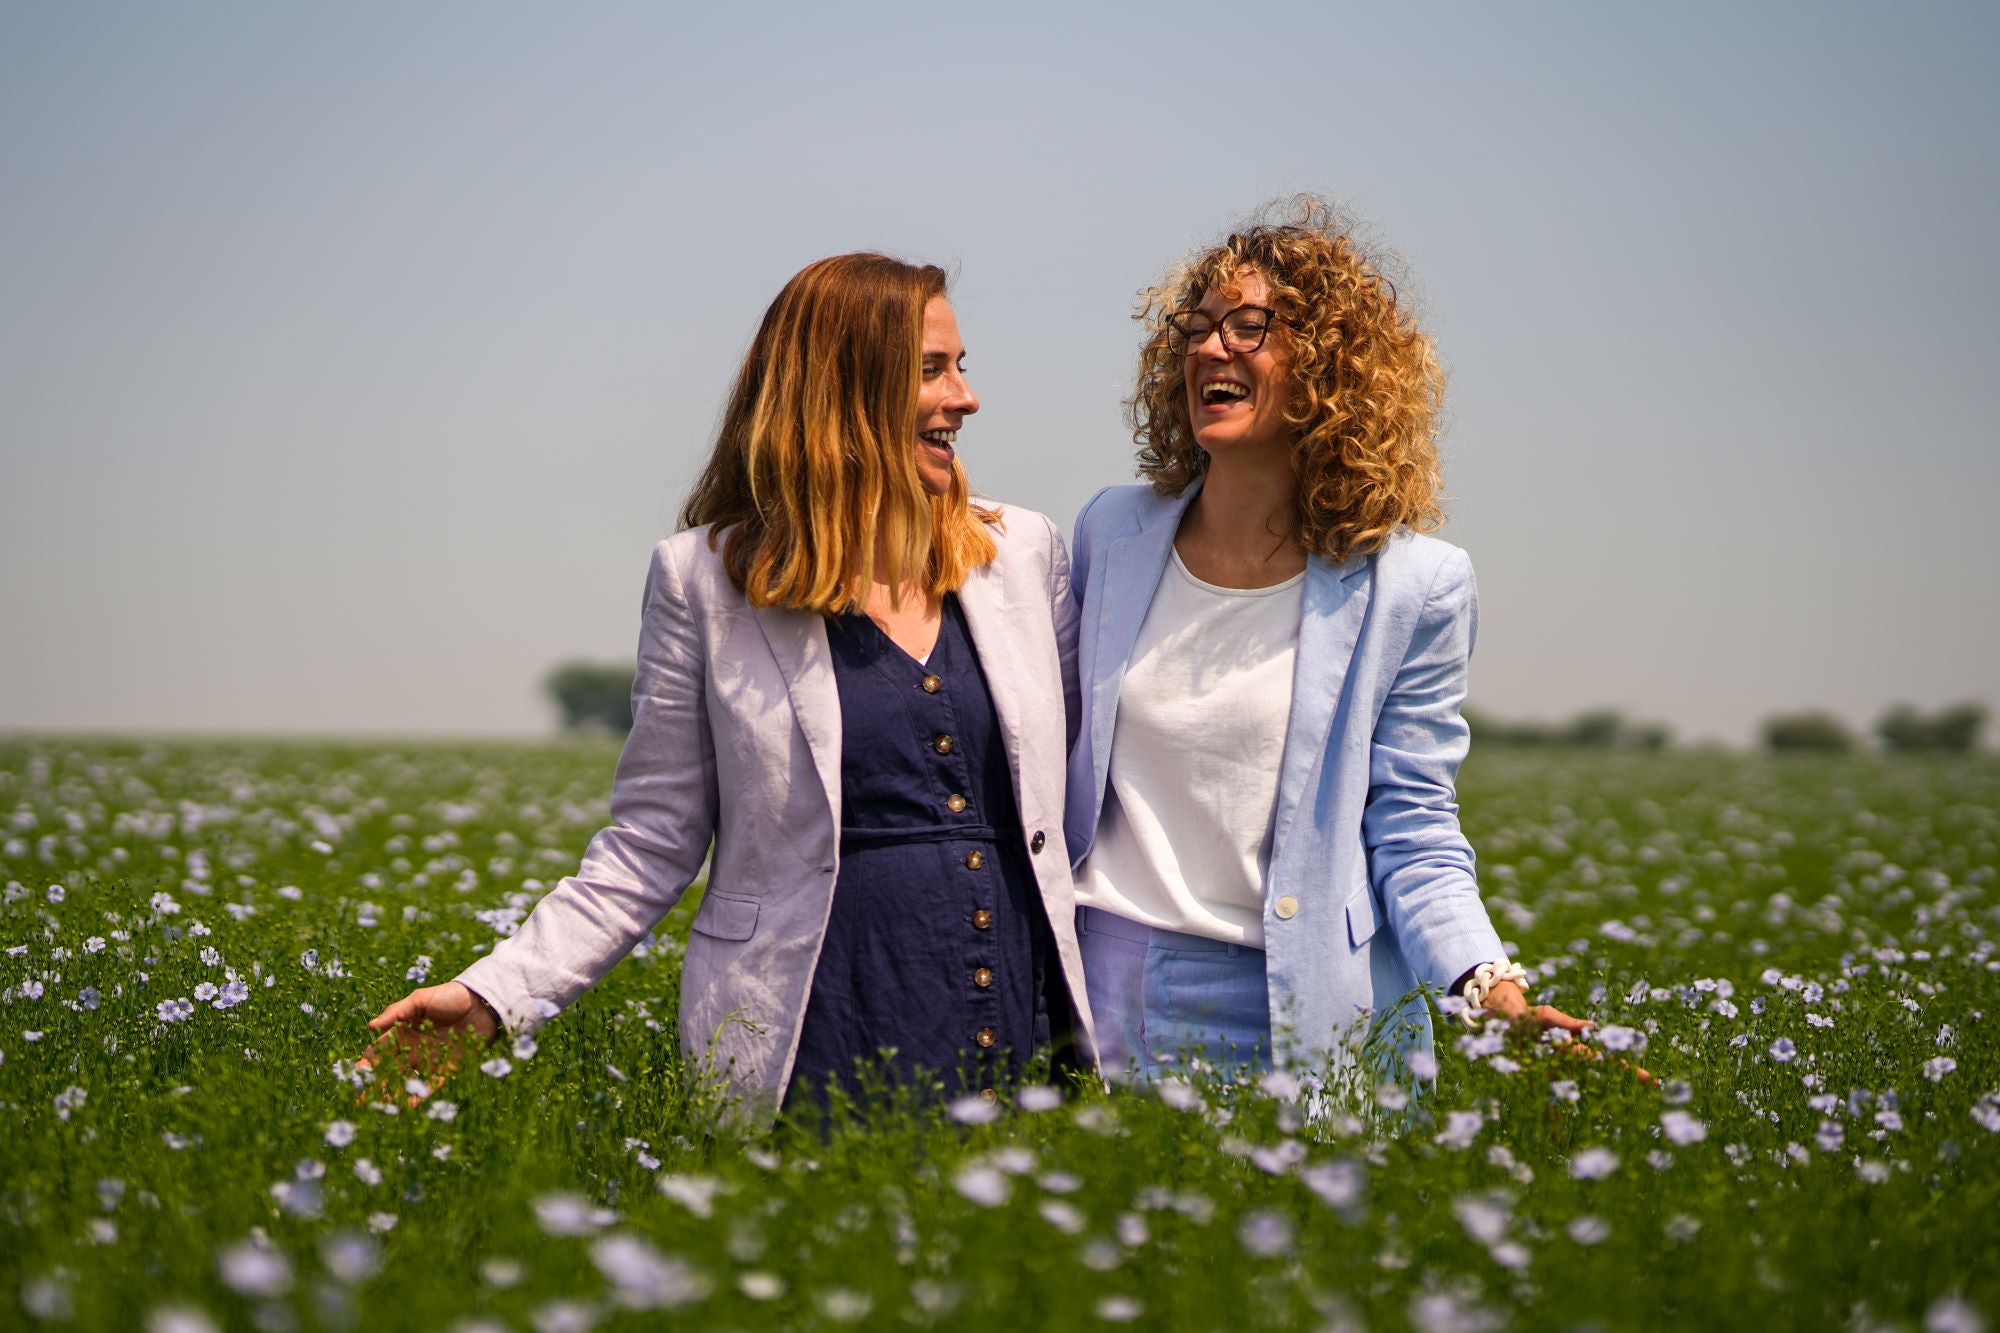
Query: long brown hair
(812, 487)
(1366, 389)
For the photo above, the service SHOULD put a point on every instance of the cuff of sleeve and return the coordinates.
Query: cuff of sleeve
(1454, 958)
(518, 1012)
(499, 1023)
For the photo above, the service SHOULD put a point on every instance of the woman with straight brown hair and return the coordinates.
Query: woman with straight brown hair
(859, 686)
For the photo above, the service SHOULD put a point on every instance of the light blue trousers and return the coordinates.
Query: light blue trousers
(1160, 998)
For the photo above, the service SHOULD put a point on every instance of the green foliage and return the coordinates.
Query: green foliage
(592, 696)
(1952, 730)
(1809, 731)
(1803, 954)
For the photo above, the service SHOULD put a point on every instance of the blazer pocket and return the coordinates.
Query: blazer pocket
(1362, 918)
(723, 917)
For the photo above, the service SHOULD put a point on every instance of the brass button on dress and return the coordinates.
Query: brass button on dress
(982, 977)
(982, 919)
(932, 684)
(956, 804)
(985, 1037)
(974, 860)
(942, 744)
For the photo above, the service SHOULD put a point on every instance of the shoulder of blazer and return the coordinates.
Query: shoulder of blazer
(1117, 510)
(1409, 563)
(691, 547)
(697, 570)
(1023, 538)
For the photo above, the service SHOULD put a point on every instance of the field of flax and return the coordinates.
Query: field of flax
(193, 935)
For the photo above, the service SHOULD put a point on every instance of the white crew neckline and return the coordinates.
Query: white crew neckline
(1220, 591)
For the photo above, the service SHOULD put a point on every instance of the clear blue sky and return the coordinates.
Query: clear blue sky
(353, 357)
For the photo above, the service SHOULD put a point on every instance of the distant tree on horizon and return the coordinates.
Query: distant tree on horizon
(1954, 730)
(592, 696)
(1596, 729)
(1814, 730)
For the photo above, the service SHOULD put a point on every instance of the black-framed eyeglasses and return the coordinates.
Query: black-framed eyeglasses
(1243, 329)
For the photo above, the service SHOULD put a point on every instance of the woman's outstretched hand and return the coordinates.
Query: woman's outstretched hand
(1507, 1000)
(432, 1028)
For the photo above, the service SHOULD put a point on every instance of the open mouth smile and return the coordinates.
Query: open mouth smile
(1219, 392)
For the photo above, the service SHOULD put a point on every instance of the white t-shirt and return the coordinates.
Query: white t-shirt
(1184, 841)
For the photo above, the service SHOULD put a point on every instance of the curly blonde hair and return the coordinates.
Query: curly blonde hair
(1366, 390)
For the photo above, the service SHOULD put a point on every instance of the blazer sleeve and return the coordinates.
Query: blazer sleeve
(663, 812)
(1418, 857)
(1063, 608)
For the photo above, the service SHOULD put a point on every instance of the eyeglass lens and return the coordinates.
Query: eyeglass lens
(1242, 330)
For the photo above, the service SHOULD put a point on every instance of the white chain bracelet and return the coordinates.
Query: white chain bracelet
(1484, 978)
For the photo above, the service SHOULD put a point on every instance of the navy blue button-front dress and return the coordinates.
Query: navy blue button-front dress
(937, 947)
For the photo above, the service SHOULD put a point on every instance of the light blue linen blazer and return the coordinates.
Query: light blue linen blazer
(1370, 889)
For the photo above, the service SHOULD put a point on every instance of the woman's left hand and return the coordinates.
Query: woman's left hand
(1507, 999)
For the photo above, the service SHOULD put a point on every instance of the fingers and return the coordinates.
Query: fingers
(1550, 1017)
(419, 1035)
(433, 1057)
(1579, 1051)
(431, 1004)
(409, 1009)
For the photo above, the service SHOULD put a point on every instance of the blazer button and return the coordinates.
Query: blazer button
(982, 977)
(942, 744)
(1039, 841)
(954, 803)
(982, 919)
(974, 860)
(1286, 907)
(985, 1037)
(932, 684)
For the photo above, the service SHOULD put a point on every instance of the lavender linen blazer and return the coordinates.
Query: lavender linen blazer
(736, 739)
(1370, 889)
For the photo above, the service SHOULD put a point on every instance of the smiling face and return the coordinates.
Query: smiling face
(1236, 400)
(944, 399)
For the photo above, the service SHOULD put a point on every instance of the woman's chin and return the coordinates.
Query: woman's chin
(1233, 441)
(936, 464)
(1216, 440)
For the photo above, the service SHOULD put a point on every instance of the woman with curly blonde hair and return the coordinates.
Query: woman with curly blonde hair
(1261, 802)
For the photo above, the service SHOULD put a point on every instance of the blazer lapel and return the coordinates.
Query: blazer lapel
(1133, 565)
(983, 598)
(1336, 603)
(798, 642)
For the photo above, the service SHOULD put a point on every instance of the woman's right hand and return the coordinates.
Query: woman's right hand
(433, 1027)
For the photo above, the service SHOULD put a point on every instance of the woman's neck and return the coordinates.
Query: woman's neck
(1241, 530)
(910, 615)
